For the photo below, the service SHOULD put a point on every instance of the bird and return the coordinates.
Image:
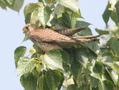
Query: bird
(48, 39)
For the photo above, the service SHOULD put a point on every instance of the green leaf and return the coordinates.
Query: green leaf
(10, 2)
(85, 32)
(17, 5)
(107, 13)
(30, 8)
(93, 46)
(31, 12)
(50, 80)
(54, 59)
(108, 85)
(66, 21)
(47, 12)
(34, 18)
(62, 22)
(41, 82)
(115, 32)
(117, 10)
(72, 87)
(3, 4)
(18, 53)
(38, 14)
(112, 75)
(115, 67)
(101, 32)
(82, 24)
(94, 83)
(113, 44)
(71, 4)
(98, 68)
(81, 65)
(58, 10)
(28, 81)
(73, 20)
(114, 17)
(26, 65)
(44, 15)
(74, 63)
(84, 55)
(48, 2)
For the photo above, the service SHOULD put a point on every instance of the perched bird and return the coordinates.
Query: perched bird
(48, 39)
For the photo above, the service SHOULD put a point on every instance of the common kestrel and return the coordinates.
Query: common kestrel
(48, 39)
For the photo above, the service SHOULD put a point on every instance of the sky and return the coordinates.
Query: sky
(11, 36)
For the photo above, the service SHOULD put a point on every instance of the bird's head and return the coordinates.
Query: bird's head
(27, 29)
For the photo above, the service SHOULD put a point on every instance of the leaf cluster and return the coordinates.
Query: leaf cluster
(12, 4)
(57, 14)
(92, 66)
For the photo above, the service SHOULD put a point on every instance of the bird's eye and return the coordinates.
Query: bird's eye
(27, 28)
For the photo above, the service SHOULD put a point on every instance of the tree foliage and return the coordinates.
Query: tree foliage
(12, 4)
(92, 66)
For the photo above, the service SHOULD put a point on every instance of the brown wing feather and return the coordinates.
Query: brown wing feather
(47, 35)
